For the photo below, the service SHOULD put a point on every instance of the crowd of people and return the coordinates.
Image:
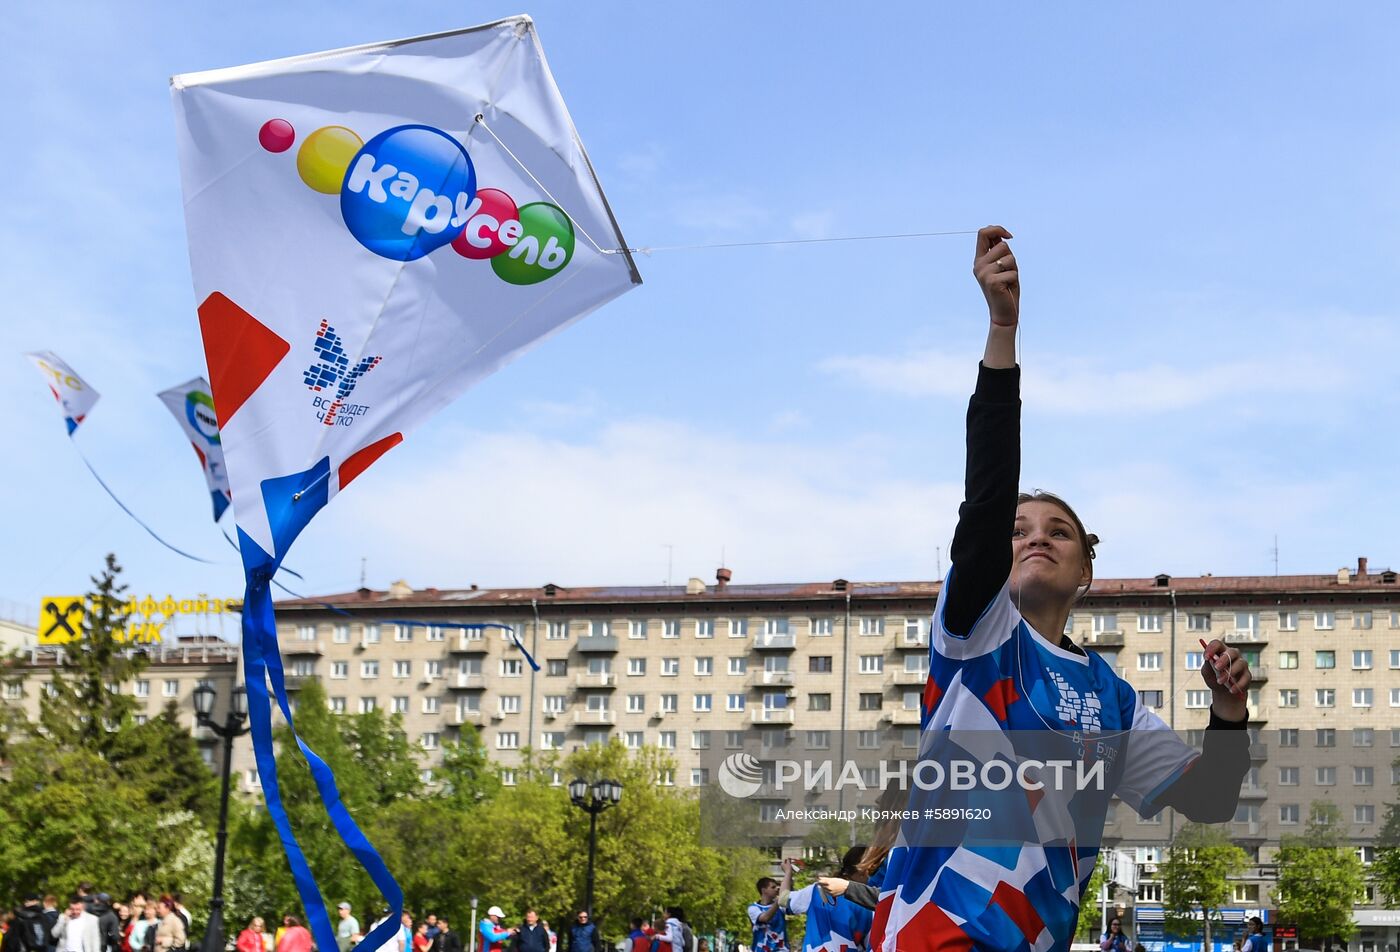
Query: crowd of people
(92, 922)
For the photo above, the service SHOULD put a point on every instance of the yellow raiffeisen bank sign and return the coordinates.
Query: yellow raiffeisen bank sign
(61, 616)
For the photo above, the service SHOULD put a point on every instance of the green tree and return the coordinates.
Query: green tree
(1195, 878)
(1320, 877)
(1089, 910)
(466, 776)
(1385, 871)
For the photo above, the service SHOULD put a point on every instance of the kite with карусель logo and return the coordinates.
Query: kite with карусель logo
(372, 230)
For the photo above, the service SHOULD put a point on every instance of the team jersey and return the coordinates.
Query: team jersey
(834, 923)
(770, 936)
(1011, 880)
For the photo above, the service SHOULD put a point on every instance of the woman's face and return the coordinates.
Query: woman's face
(1115, 925)
(163, 908)
(150, 912)
(1047, 559)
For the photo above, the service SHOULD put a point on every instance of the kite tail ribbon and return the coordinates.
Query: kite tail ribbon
(126, 510)
(262, 662)
(280, 568)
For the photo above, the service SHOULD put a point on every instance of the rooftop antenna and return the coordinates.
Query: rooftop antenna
(1276, 554)
(670, 561)
(938, 561)
(363, 560)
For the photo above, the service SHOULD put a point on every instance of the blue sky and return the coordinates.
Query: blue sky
(1203, 200)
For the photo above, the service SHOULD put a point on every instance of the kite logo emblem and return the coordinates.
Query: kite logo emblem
(332, 370)
(199, 410)
(412, 189)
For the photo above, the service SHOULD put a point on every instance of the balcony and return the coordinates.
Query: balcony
(903, 716)
(456, 717)
(913, 679)
(295, 681)
(467, 642)
(772, 715)
(598, 644)
(1256, 714)
(1245, 636)
(1104, 639)
(605, 680)
(909, 642)
(590, 718)
(1254, 792)
(782, 641)
(299, 647)
(777, 679)
(466, 682)
(1248, 829)
(1258, 751)
(1258, 673)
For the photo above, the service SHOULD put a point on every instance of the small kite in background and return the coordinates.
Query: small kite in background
(193, 408)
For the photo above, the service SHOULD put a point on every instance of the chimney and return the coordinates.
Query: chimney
(695, 586)
(723, 576)
(400, 589)
(1344, 576)
(1361, 567)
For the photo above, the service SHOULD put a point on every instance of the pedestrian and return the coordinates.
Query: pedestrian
(406, 931)
(347, 932)
(29, 925)
(583, 935)
(1255, 940)
(532, 936)
(432, 923)
(108, 923)
(250, 939)
(77, 930)
(170, 932)
(143, 931)
(833, 922)
(295, 937)
(1000, 658)
(422, 942)
(493, 934)
(395, 942)
(1114, 940)
(51, 916)
(638, 937)
(769, 925)
(177, 903)
(447, 940)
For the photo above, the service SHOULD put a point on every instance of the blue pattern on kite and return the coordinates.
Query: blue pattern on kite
(220, 504)
(332, 365)
(71, 423)
(287, 514)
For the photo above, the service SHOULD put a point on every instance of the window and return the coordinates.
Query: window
(699, 776)
(556, 668)
(1149, 621)
(913, 631)
(340, 634)
(510, 703)
(557, 631)
(369, 634)
(1246, 893)
(598, 664)
(599, 628)
(1198, 621)
(871, 701)
(704, 667)
(1324, 620)
(15, 690)
(1288, 813)
(1288, 659)
(668, 703)
(1288, 737)
(700, 740)
(552, 740)
(1288, 776)
(1326, 776)
(636, 703)
(1367, 854)
(597, 702)
(819, 740)
(1194, 660)
(1247, 621)
(1362, 620)
(403, 632)
(819, 664)
(1288, 697)
(1069, 624)
(336, 704)
(369, 669)
(733, 740)
(1151, 699)
(704, 703)
(403, 669)
(436, 633)
(1149, 892)
(142, 689)
(1324, 659)
(872, 664)
(1395, 697)
(705, 628)
(1362, 697)
(399, 705)
(670, 667)
(872, 626)
(913, 700)
(819, 702)
(1361, 660)
(507, 740)
(1394, 658)
(368, 704)
(1326, 737)
(1363, 813)
(734, 702)
(666, 740)
(1325, 697)
(738, 627)
(821, 627)
(432, 669)
(867, 740)
(432, 705)
(429, 740)
(636, 666)
(637, 628)
(471, 704)
(633, 740)
(1105, 622)
(1363, 776)
(511, 667)
(738, 665)
(1149, 661)
(1287, 621)
(340, 670)
(306, 632)
(671, 628)
(167, 689)
(1198, 699)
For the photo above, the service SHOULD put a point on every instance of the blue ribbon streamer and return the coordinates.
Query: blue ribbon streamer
(125, 509)
(262, 661)
(280, 568)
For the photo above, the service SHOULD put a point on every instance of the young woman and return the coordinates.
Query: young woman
(1114, 940)
(251, 938)
(834, 922)
(1001, 668)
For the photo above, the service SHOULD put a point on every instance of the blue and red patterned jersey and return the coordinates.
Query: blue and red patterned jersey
(834, 923)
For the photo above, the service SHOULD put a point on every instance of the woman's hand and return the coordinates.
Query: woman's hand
(833, 885)
(994, 266)
(1227, 675)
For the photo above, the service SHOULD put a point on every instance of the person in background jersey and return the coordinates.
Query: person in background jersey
(834, 923)
(493, 936)
(1114, 940)
(1001, 665)
(769, 924)
(1255, 941)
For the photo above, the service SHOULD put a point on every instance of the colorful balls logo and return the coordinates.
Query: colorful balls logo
(545, 245)
(325, 155)
(276, 135)
(199, 410)
(492, 229)
(409, 191)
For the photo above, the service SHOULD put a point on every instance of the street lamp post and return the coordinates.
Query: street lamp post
(235, 725)
(594, 799)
